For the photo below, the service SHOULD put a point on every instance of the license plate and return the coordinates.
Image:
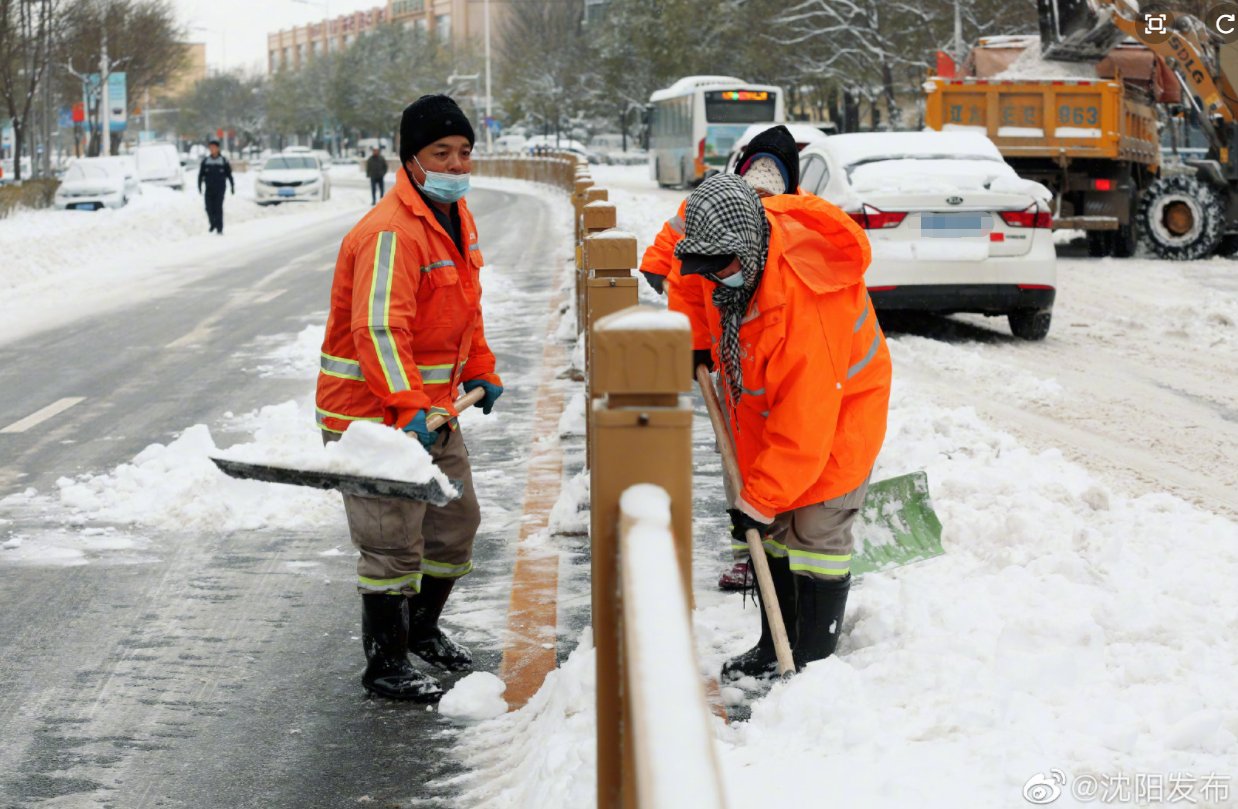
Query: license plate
(955, 225)
(83, 206)
(287, 192)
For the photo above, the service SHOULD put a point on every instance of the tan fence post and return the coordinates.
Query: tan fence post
(610, 257)
(596, 216)
(642, 434)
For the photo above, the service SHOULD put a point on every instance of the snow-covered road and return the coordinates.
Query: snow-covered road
(1082, 619)
(177, 638)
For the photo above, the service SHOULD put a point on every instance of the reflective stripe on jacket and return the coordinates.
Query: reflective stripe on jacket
(405, 326)
(816, 368)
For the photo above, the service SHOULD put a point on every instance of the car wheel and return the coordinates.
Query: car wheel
(1030, 324)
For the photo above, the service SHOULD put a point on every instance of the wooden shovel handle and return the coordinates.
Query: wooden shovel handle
(463, 403)
(760, 565)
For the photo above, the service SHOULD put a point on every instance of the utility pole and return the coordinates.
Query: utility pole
(958, 31)
(105, 106)
(489, 110)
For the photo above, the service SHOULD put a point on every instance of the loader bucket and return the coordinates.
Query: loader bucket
(1076, 30)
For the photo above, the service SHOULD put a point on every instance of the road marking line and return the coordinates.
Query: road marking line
(532, 617)
(39, 416)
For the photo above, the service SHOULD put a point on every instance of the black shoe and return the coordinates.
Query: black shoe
(821, 605)
(761, 660)
(384, 634)
(425, 638)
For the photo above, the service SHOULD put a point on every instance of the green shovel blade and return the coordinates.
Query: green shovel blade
(896, 526)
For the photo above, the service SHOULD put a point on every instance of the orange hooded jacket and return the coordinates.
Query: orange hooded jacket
(405, 326)
(816, 369)
(685, 294)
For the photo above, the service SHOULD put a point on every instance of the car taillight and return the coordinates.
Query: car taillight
(1031, 217)
(700, 149)
(1102, 185)
(871, 218)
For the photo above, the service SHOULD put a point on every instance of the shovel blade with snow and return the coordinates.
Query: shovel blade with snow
(430, 491)
(1077, 30)
(897, 525)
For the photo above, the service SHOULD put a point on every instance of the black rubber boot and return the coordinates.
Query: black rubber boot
(761, 660)
(384, 633)
(820, 620)
(425, 639)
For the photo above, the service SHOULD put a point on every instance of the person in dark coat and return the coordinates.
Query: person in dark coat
(376, 170)
(215, 174)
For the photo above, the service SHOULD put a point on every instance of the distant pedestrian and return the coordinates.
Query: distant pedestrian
(215, 174)
(376, 170)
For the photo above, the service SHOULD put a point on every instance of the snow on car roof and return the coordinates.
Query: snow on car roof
(861, 146)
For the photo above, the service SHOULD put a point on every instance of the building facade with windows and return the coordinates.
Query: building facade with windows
(296, 47)
(455, 21)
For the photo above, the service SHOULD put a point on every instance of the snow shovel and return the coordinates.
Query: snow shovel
(773, 614)
(897, 524)
(361, 486)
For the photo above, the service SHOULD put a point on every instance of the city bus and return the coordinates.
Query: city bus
(694, 123)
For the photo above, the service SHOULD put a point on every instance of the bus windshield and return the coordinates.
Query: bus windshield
(739, 106)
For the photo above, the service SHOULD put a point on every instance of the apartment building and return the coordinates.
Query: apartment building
(457, 21)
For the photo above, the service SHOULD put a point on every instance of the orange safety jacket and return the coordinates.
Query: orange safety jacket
(816, 368)
(685, 295)
(405, 326)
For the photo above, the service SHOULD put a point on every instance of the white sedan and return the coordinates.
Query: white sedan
(91, 183)
(290, 178)
(953, 228)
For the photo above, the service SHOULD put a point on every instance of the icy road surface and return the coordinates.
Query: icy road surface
(171, 639)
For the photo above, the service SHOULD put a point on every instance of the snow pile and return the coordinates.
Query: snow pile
(570, 514)
(176, 486)
(572, 419)
(1018, 386)
(292, 356)
(367, 448)
(477, 696)
(542, 754)
(1031, 65)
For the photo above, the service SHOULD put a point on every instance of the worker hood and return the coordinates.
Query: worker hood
(820, 243)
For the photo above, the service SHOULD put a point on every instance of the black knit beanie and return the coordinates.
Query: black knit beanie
(431, 118)
(778, 142)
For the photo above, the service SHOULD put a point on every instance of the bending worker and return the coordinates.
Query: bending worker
(805, 378)
(403, 334)
(770, 164)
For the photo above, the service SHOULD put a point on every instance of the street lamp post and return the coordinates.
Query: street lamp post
(489, 97)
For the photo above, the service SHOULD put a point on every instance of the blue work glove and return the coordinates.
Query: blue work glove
(493, 392)
(418, 427)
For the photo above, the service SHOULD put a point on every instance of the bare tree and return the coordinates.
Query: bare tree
(25, 40)
(143, 39)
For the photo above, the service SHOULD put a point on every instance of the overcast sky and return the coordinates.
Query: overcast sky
(239, 28)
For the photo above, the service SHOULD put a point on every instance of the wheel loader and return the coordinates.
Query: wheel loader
(1191, 209)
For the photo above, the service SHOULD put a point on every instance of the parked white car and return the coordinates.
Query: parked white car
(291, 178)
(953, 228)
(91, 183)
(160, 164)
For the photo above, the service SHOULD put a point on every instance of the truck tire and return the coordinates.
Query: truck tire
(1181, 218)
(1030, 324)
(1100, 243)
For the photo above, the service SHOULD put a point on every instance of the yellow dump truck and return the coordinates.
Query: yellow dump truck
(1093, 142)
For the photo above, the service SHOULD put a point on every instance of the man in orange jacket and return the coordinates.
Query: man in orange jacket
(770, 164)
(404, 333)
(805, 374)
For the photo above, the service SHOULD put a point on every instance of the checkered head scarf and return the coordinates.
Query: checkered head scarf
(724, 216)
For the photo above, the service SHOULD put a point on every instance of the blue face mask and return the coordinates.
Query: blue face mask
(734, 281)
(443, 187)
